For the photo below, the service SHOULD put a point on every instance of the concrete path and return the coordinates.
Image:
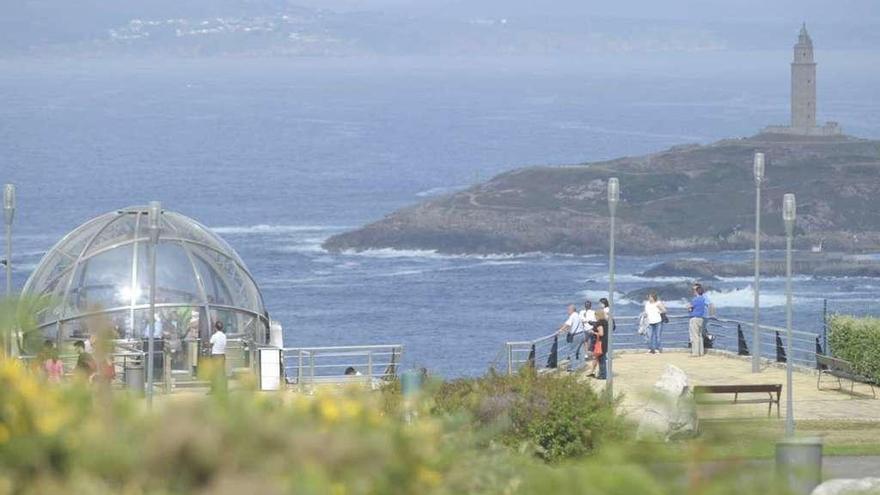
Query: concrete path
(636, 373)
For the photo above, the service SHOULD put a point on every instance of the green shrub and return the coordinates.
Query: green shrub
(560, 416)
(857, 340)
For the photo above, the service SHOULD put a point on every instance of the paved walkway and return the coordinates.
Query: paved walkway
(636, 373)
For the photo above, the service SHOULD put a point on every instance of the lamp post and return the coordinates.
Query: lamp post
(613, 200)
(756, 332)
(155, 211)
(9, 216)
(789, 215)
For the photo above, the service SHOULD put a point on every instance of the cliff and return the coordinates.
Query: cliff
(687, 198)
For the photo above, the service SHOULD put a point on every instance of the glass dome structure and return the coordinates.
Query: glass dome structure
(102, 270)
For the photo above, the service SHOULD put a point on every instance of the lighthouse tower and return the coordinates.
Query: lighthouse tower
(803, 83)
(803, 94)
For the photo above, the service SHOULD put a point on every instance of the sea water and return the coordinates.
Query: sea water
(277, 155)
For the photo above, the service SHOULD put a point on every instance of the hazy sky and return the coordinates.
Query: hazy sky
(717, 10)
(426, 26)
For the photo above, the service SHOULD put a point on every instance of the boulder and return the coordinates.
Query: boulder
(671, 413)
(669, 292)
(863, 486)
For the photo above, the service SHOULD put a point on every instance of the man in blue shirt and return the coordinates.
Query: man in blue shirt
(698, 312)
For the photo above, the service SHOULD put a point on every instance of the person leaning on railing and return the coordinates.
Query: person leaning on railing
(574, 330)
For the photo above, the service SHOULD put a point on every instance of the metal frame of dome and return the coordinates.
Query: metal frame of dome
(65, 261)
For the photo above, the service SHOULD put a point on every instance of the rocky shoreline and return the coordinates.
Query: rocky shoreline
(834, 265)
(694, 198)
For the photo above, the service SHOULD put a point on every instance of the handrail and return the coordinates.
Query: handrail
(726, 330)
(373, 364)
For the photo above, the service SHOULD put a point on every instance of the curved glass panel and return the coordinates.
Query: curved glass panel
(101, 272)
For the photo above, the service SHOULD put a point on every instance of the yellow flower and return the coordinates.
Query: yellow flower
(428, 476)
(351, 408)
(329, 410)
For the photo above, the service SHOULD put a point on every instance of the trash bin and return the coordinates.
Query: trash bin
(134, 377)
(799, 464)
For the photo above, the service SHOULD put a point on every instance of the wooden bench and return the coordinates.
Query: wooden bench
(700, 391)
(838, 368)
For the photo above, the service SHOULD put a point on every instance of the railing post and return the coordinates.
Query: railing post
(312, 372)
(819, 351)
(530, 361)
(553, 358)
(780, 349)
(742, 346)
(370, 364)
(509, 360)
(299, 371)
(825, 327)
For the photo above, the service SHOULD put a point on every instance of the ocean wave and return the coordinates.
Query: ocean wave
(438, 191)
(24, 267)
(430, 254)
(595, 295)
(30, 254)
(740, 298)
(274, 229)
(313, 247)
(794, 278)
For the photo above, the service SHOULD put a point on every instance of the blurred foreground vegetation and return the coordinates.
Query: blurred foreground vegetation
(525, 434)
(80, 438)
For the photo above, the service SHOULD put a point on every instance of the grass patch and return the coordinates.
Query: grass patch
(756, 439)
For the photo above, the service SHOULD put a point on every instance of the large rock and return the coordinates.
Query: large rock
(863, 486)
(671, 413)
(667, 292)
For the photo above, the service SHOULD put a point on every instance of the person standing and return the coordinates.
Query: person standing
(574, 330)
(53, 367)
(654, 311)
(85, 362)
(588, 317)
(697, 313)
(218, 352)
(600, 330)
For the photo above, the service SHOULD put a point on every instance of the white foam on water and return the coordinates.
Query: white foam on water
(274, 229)
(429, 254)
(303, 248)
(794, 278)
(29, 254)
(439, 191)
(595, 295)
(625, 277)
(24, 267)
(739, 298)
(502, 263)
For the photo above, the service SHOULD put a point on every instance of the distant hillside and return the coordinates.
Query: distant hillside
(282, 27)
(687, 198)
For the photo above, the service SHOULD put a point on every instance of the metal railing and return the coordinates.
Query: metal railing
(371, 365)
(550, 351)
(121, 362)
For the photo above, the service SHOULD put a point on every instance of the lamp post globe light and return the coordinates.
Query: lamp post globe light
(789, 216)
(155, 210)
(756, 332)
(9, 216)
(613, 200)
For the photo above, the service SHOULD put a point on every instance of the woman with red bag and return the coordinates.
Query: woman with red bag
(601, 337)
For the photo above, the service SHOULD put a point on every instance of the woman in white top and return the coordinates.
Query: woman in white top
(654, 310)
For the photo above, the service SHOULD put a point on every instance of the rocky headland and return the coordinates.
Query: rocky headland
(691, 198)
